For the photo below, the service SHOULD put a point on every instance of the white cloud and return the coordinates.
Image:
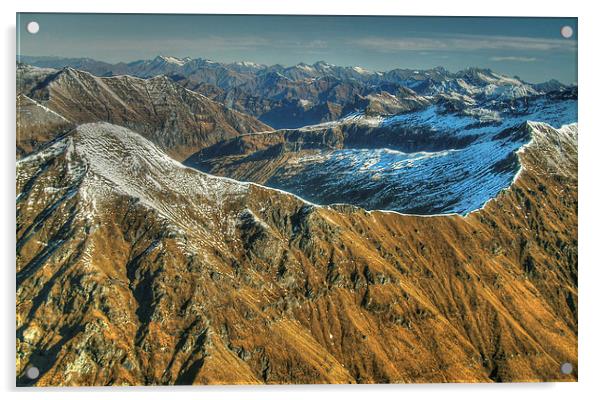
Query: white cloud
(464, 43)
(513, 58)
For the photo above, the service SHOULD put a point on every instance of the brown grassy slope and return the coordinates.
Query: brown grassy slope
(271, 290)
(36, 125)
(179, 121)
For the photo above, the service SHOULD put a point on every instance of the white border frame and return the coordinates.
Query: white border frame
(590, 145)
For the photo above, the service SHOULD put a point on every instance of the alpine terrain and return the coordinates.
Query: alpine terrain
(185, 221)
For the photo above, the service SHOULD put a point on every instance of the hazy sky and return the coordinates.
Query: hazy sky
(531, 48)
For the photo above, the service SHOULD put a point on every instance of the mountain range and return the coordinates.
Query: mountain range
(428, 161)
(303, 94)
(420, 227)
(177, 119)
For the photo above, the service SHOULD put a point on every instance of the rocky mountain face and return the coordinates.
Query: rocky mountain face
(180, 121)
(284, 103)
(136, 269)
(37, 125)
(133, 269)
(304, 94)
(29, 77)
(440, 159)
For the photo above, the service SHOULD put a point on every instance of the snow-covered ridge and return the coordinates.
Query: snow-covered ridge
(455, 180)
(477, 157)
(117, 160)
(108, 160)
(361, 70)
(473, 120)
(134, 163)
(425, 177)
(545, 132)
(174, 60)
(249, 64)
(41, 107)
(555, 146)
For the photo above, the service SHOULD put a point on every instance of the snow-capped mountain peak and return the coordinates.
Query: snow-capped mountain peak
(103, 161)
(361, 70)
(174, 60)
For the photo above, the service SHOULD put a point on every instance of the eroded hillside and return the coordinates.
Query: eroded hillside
(147, 272)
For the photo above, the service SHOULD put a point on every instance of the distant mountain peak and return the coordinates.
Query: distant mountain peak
(173, 60)
(361, 70)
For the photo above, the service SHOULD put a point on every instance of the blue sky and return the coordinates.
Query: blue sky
(531, 48)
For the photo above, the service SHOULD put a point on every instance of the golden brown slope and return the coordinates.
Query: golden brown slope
(251, 285)
(178, 120)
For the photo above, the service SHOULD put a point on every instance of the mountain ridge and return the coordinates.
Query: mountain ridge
(133, 268)
(60, 62)
(264, 288)
(177, 119)
(291, 97)
(428, 161)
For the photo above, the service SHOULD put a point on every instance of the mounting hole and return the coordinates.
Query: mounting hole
(566, 368)
(32, 372)
(33, 27)
(566, 32)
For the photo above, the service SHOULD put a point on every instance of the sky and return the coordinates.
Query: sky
(531, 48)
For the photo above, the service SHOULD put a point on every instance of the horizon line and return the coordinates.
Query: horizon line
(440, 67)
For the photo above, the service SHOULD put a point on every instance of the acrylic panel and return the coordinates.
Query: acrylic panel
(248, 199)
